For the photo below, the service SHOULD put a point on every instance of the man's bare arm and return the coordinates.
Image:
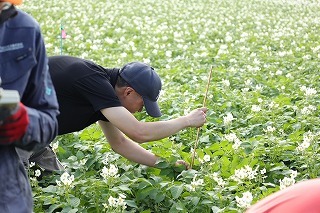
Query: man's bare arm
(150, 131)
(125, 147)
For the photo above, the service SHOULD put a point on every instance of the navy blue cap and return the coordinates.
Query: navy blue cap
(146, 82)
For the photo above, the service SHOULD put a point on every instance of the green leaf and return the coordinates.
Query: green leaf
(50, 189)
(215, 209)
(225, 161)
(74, 201)
(176, 191)
(162, 163)
(195, 201)
(142, 194)
(131, 203)
(206, 202)
(159, 198)
(177, 207)
(204, 139)
(53, 207)
(218, 153)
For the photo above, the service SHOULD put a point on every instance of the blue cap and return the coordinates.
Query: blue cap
(146, 82)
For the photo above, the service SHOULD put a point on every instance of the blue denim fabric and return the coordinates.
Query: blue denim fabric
(24, 67)
(15, 191)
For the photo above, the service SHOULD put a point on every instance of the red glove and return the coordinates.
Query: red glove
(14, 126)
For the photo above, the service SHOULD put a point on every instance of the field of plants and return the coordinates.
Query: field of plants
(263, 125)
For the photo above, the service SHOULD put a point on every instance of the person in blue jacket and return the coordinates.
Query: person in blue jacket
(32, 123)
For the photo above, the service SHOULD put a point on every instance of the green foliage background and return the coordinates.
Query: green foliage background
(265, 57)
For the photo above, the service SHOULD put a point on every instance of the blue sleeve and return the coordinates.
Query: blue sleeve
(40, 98)
(24, 67)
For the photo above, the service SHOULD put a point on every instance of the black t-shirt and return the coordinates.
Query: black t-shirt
(83, 88)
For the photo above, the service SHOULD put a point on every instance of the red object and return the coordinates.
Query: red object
(303, 197)
(63, 34)
(14, 126)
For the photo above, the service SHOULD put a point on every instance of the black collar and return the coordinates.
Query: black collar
(8, 13)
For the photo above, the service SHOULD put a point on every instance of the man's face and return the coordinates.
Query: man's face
(132, 101)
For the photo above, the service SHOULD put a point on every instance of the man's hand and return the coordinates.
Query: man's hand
(182, 162)
(14, 126)
(197, 117)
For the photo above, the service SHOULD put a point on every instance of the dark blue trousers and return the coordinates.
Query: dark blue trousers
(15, 190)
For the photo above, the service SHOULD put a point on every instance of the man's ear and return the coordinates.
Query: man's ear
(128, 91)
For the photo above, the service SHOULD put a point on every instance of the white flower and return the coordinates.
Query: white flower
(224, 47)
(245, 201)
(109, 172)
(83, 162)
(218, 179)
(121, 201)
(258, 88)
(206, 158)
(303, 146)
(239, 175)
(195, 183)
(168, 53)
(37, 173)
(303, 88)
(105, 172)
(123, 55)
(307, 140)
(220, 182)
(255, 108)
(308, 110)
(115, 202)
(236, 144)
(112, 201)
(215, 175)
(109, 40)
(113, 170)
(293, 174)
(138, 54)
(269, 129)
(244, 173)
(273, 105)
(66, 179)
(55, 146)
(228, 118)
(231, 137)
(109, 157)
(228, 38)
(248, 82)
(285, 182)
(289, 75)
(251, 173)
(146, 60)
(310, 91)
(226, 82)
(196, 55)
(263, 171)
